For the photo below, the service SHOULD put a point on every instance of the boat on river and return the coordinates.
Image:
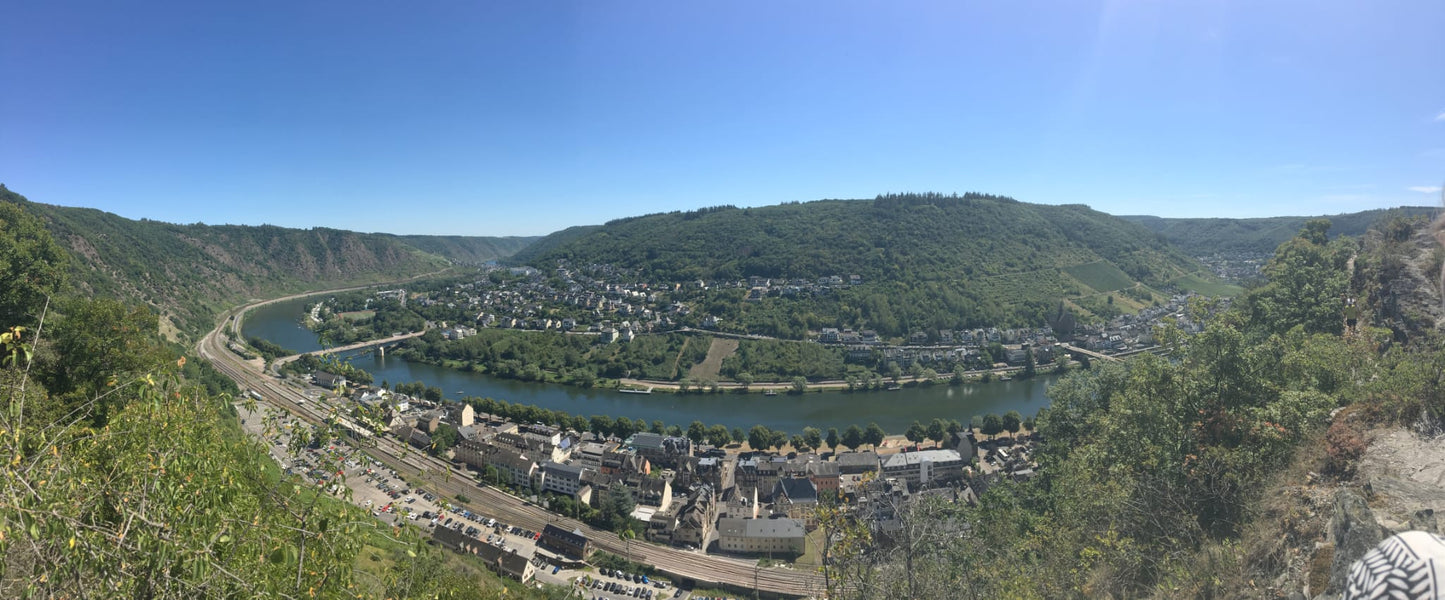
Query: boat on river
(635, 390)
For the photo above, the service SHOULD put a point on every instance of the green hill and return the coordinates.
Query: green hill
(1202, 237)
(973, 259)
(470, 250)
(190, 272)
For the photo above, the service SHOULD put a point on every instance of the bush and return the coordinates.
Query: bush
(1345, 442)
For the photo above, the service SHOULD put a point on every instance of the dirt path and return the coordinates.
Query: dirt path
(708, 369)
(678, 359)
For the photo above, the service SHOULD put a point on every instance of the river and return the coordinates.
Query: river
(894, 411)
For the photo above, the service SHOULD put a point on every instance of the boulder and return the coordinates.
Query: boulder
(1354, 531)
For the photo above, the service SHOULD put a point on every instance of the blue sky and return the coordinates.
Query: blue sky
(493, 118)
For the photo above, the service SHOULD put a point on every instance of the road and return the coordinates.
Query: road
(447, 480)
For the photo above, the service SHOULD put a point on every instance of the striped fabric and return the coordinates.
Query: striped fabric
(1408, 566)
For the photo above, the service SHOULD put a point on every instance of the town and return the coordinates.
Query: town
(597, 302)
(671, 490)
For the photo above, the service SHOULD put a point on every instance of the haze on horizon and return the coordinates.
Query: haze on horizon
(492, 119)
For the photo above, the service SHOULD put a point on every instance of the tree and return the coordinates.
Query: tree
(745, 378)
(874, 435)
(937, 431)
(617, 507)
(992, 424)
(781, 439)
(916, 433)
(738, 435)
(31, 264)
(98, 343)
(1011, 421)
(833, 439)
(717, 435)
(760, 437)
(1307, 284)
(622, 427)
(697, 432)
(443, 439)
(853, 437)
(800, 385)
(797, 443)
(658, 427)
(812, 438)
(602, 425)
(674, 431)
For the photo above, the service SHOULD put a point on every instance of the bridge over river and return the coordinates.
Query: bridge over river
(349, 347)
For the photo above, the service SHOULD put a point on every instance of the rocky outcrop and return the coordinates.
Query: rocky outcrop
(1354, 531)
(1403, 477)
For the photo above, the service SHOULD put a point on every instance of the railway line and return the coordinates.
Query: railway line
(446, 479)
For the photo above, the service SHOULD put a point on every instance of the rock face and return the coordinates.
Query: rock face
(1354, 531)
(1404, 480)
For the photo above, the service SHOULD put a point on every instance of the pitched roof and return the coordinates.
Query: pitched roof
(574, 537)
(760, 528)
(561, 470)
(795, 489)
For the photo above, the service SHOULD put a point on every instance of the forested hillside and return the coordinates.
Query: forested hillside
(468, 250)
(1202, 237)
(188, 273)
(127, 473)
(1208, 474)
(971, 260)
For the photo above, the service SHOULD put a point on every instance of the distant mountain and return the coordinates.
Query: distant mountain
(469, 250)
(1202, 237)
(973, 258)
(191, 272)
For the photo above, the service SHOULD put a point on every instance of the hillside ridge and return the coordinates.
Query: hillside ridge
(978, 258)
(1204, 236)
(188, 273)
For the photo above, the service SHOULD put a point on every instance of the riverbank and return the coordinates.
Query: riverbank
(635, 385)
(837, 385)
(834, 407)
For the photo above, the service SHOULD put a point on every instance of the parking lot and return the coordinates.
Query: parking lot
(611, 585)
(372, 486)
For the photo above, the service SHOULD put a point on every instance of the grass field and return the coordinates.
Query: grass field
(720, 349)
(1201, 285)
(1100, 275)
(358, 315)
